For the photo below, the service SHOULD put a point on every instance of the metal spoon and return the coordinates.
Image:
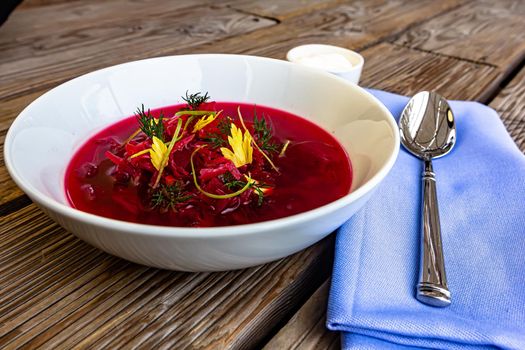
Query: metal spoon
(428, 131)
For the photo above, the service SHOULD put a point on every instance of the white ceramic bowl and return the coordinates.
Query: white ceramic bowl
(47, 133)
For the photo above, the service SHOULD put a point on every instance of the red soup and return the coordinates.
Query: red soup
(205, 164)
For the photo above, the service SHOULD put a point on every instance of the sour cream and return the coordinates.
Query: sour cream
(332, 62)
(333, 59)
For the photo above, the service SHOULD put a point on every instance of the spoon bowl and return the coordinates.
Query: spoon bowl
(427, 127)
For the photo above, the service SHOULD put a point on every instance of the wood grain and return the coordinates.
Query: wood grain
(10, 191)
(510, 104)
(44, 60)
(405, 71)
(63, 16)
(491, 32)
(33, 3)
(353, 25)
(57, 292)
(40, 54)
(306, 330)
(282, 10)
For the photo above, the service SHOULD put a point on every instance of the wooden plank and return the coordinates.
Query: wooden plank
(357, 24)
(485, 31)
(402, 70)
(306, 330)
(283, 10)
(510, 104)
(58, 292)
(10, 190)
(34, 3)
(46, 60)
(353, 25)
(52, 57)
(56, 15)
(14, 205)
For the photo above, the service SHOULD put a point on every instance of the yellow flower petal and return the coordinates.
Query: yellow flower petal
(255, 143)
(227, 153)
(248, 146)
(157, 152)
(241, 147)
(201, 123)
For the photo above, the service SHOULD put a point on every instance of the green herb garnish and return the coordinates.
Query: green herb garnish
(218, 139)
(232, 184)
(167, 196)
(259, 192)
(149, 124)
(263, 133)
(224, 126)
(195, 100)
(215, 139)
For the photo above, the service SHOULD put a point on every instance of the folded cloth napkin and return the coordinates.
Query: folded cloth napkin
(481, 191)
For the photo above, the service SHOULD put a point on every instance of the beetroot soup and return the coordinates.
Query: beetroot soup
(204, 164)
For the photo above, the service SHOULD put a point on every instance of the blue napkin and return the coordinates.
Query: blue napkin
(481, 191)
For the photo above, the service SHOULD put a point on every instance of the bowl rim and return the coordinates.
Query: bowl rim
(204, 232)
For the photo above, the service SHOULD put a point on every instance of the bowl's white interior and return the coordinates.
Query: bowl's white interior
(48, 132)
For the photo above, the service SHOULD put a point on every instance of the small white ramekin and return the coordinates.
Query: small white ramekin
(318, 56)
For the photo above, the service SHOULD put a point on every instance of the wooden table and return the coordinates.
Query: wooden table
(57, 292)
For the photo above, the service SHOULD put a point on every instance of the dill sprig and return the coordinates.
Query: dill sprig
(232, 184)
(257, 189)
(149, 125)
(224, 126)
(166, 197)
(218, 139)
(196, 99)
(215, 139)
(264, 133)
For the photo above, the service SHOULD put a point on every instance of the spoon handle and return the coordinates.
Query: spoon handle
(432, 286)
